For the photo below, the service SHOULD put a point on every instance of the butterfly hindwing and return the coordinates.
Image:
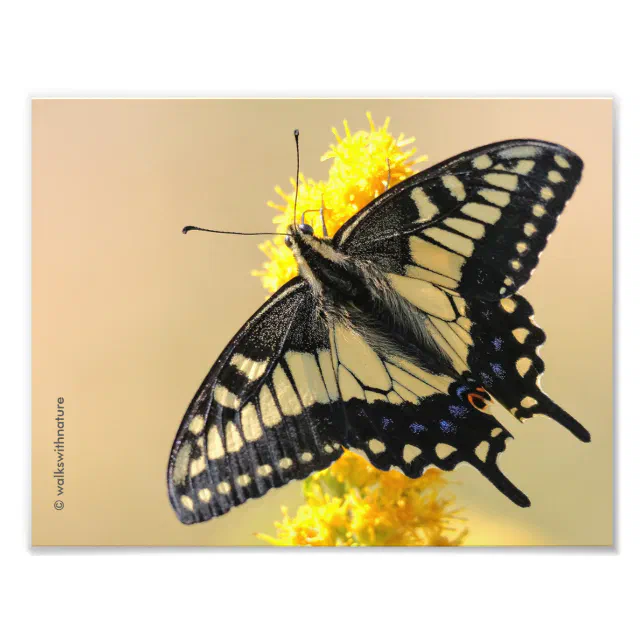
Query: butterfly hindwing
(264, 415)
(400, 415)
(475, 223)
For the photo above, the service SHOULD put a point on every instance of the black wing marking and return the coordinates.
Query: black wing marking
(475, 223)
(506, 361)
(265, 414)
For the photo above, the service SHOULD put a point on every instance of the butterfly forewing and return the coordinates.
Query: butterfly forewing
(475, 223)
(265, 414)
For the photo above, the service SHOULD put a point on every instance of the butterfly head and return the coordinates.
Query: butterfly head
(297, 231)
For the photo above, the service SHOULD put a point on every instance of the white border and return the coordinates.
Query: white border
(311, 49)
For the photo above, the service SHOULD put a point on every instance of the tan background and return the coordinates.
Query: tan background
(129, 315)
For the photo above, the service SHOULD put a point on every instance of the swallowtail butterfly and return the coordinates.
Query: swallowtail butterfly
(392, 341)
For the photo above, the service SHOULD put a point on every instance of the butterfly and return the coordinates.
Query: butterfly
(393, 341)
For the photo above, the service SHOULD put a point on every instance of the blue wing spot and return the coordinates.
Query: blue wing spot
(462, 390)
(498, 369)
(447, 426)
(417, 428)
(458, 411)
(387, 423)
(497, 343)
(487, 379)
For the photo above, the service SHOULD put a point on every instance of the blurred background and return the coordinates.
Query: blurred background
(129, 314)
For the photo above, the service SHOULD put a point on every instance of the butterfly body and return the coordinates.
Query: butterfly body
(356, 294)
(393, 341)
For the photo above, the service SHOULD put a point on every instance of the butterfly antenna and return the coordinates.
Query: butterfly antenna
(187, 229)
(296, 134)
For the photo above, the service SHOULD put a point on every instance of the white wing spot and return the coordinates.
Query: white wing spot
(197, 466)
(204, 495)
(561, 161)
(285, 463)
(555, 177)
(215, 444)
(528, 402)
(243, 480)
(376, 446)
(529, 229)
(224, 487)
(538, 210)
(455, 187)
(426, 208)
(443, 450)
(187, 503)
(519, 152)
(523, 365)
(197, 425)
(496, 197)
(458, 243)
(547, 193)
(523, 167)
(515, 264)
(306, 457)
(410, 453)
(520, 334)
(233, 440)
(482, 450)
(264, 470)
(328, 449)
(252, 369)
(482, 212)
(226, 398)
(270, 414)
(482, 162)
(522, 247)
(251, 426)
(508, 305)
(506, 181)
(180, 471)
(470, 228)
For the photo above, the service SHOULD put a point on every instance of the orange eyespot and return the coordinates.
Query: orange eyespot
(480, 400)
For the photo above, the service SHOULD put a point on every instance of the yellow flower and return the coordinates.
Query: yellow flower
(353, 503)
(362, 163)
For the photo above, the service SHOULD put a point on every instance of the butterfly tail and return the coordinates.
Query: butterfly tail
(495, 476)
(549, 408)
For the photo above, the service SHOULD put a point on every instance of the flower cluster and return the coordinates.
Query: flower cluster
(364, 165)
(352, 503)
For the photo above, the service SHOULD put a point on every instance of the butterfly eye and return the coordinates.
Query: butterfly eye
(479, 399)
(288, 240)
(306, 229)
